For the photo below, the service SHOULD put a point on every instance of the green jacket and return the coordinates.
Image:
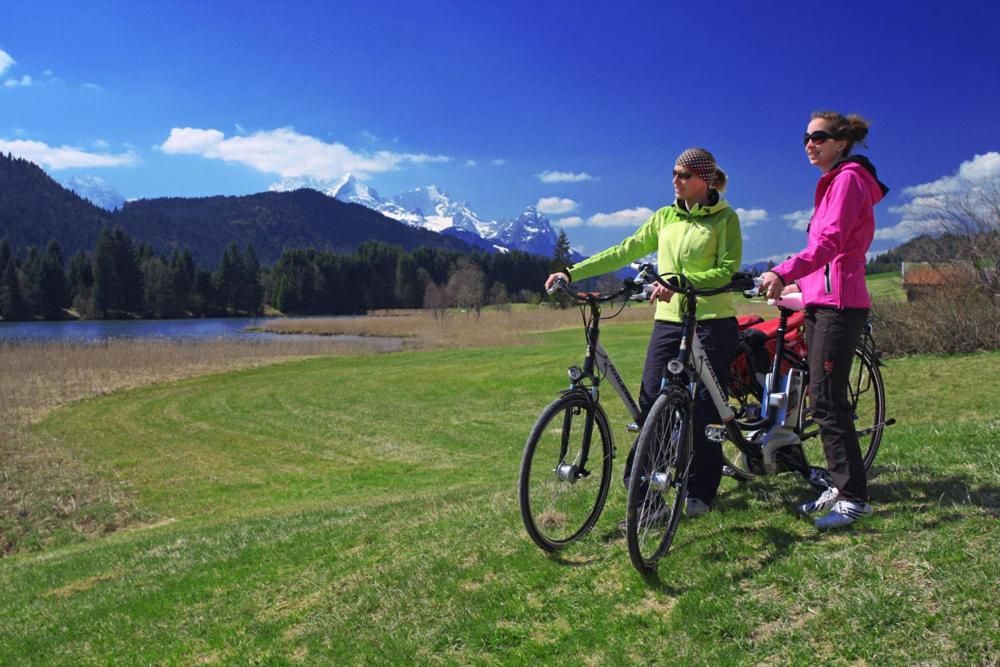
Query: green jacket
(704, 244)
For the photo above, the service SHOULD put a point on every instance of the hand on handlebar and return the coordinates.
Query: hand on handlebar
(550, 282)
(660, 292)
(771, 284)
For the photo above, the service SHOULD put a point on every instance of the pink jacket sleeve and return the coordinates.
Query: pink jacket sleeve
(829, 229)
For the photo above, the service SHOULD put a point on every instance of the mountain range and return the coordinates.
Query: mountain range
(333, 215)
(431, 208)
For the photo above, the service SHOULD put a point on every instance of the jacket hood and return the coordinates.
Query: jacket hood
(715, 204)
(867, 165)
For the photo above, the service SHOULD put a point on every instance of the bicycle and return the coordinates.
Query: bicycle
(657, 485)
(562, 488)
(756, 369)
(771, 413)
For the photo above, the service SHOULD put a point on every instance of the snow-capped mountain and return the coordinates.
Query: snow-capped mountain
(530, 231)
(96, 190)
(431, 208)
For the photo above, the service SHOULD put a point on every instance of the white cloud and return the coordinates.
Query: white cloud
(922, 213)
(65, 157)
(93, 86)
(6, 60)
(286, 152)
(777, 259)
(499, 162)
(556, 205)
(549, 176)
(572, 221)
(23, 82)
(751, 216)
(630, 217)
(905, 230)
(470, 163)
(978, 169)
(799, 219)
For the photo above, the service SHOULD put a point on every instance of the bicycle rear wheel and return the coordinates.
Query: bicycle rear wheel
(658, 481)
(565, 471)
(866, 394)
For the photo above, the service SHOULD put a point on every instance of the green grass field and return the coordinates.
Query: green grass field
(364, 510)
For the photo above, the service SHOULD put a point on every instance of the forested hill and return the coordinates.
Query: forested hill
(35, 209)
(272, 221)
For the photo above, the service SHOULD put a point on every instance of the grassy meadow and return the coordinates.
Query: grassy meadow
(359, 509)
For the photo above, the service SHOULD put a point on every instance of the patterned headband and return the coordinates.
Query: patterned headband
(700, 163)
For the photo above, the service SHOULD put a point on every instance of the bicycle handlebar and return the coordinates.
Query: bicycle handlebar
(740, 282)
(638, 287)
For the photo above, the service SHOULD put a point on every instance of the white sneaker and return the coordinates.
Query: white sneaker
(844, 513)
(825, 501)
(695, 508)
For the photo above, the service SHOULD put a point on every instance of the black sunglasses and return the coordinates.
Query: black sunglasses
(817, 137)
(683, 175)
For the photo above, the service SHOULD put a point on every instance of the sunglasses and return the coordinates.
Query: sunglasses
(683, 175)
(818, 137)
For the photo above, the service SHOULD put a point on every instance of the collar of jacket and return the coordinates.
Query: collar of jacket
(715, 204)
(860, 160)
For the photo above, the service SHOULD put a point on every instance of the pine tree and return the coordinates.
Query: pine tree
(53, 288)
(118, 285)
(561, 256)
(12, 303)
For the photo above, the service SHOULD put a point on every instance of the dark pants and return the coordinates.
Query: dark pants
(720, 339)
(831, 336)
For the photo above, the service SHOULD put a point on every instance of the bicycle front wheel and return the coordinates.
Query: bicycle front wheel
(565, 471)
(658, 481)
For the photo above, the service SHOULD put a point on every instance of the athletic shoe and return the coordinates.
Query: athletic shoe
(825, 501)
(844, 513)
(695, 507)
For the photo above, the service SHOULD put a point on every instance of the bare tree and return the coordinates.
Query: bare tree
(966, 220)
(466, 285)
(435, 299)
(499, 296)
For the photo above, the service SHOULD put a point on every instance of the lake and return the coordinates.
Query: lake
(91, 331)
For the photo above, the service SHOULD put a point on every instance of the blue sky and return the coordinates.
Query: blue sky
(580, 107)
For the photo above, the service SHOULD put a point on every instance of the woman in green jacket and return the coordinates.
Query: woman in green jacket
(697, 236)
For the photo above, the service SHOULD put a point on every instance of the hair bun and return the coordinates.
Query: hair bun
(858, 129)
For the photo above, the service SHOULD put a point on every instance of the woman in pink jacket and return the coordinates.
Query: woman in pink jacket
(830, 273)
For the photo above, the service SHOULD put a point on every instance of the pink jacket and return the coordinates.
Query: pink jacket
(831, 270)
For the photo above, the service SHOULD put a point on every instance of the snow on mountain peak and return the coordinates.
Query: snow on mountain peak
(96, 190)
(430, 207)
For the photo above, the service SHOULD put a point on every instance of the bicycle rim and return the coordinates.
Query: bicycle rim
(560, 500)
(658, 481)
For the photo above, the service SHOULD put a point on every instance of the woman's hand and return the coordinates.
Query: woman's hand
(790, 289)
(554, 277)
(771, 285)
(660, 292)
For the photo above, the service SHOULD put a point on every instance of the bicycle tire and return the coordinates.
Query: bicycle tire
(866, 392)
(557, 511)
(663, 454)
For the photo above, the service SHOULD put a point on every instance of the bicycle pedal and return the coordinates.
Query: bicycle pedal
(715, 432)
(633, 428)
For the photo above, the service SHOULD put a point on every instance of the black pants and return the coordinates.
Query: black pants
(831, 336)
(720, 339)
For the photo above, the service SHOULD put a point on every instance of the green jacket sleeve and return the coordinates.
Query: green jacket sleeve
(728, 256)
(640, 244)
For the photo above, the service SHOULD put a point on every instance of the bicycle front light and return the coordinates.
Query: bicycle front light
(574, 374)
(675, 366)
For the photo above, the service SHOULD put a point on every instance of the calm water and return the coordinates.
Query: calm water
(89, 331)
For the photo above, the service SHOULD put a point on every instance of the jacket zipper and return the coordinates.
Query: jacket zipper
(826, 279)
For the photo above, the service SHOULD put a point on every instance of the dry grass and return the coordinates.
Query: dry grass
(36, 378)
(422, 330)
